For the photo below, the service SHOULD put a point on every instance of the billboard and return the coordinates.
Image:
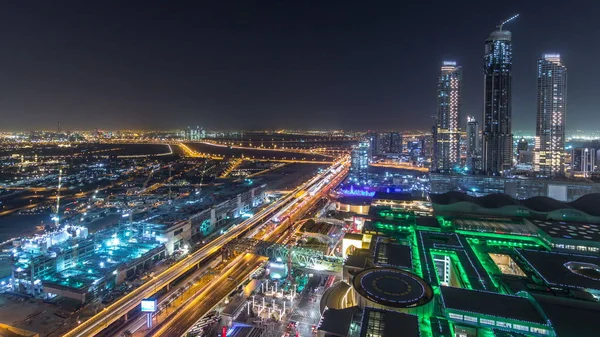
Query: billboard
(149, 305)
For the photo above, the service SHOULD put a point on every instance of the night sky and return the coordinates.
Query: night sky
(276, 63)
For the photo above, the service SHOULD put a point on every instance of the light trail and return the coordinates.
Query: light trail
(130, 301)
(401, 166)
(205, 301)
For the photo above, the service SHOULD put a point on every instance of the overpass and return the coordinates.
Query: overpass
(204, 302)
(404, 166)
(305, 258)
(132, 300)
(331, 221)
(189, 152)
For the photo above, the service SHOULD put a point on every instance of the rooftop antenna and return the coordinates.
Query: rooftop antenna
(507, 21)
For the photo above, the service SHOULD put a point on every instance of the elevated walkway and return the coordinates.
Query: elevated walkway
(305, 258)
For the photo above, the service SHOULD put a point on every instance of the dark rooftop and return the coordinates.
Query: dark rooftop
(427, 221)
(392, 254)
(570, 318)
(439, 240)
(586, 204)
(569, 230)
(354, 199)
(353, 236)
(553, 267)
(385, 323)
(358, 258)
(394, 196)
(510, 307)
(337, 322)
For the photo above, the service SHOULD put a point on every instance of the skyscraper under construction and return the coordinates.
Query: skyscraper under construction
(497, 110)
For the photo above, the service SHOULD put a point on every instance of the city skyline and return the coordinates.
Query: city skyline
(299, 168)
(95, 67)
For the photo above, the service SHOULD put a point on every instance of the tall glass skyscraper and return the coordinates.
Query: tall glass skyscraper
(551, 113)
(447, 131)
(359, 162)
(497, 110)
(473, 147)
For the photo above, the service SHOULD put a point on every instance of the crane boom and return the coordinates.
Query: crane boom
(507, 21)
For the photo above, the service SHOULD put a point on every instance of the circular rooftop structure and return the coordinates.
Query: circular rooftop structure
(392, 287)
(588, 270)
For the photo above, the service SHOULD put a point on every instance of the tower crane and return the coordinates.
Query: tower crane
(507, 21)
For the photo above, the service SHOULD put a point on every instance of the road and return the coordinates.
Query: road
(405, 166)
(306, 313)
(189, 314)
(175, 297)
(235, 273)
(130, 301)
(189, 152)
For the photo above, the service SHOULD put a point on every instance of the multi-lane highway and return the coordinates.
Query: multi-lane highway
(406, 166)
(235, 273)
(175, 297)
(241, 267)
(130, 301)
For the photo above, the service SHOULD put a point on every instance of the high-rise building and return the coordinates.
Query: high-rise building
(446, 140)
(395, 143)
(497, 110)
(373, 138)
(385, 140)
(359, 162)
(551, 114)
(195, 133)
(385, 143)
(583, 161)
(524, 155)
(522, 145)
(390, 143)
(473, 144)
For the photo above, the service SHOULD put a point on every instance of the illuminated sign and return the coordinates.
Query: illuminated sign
(357, 192)
(149, 305)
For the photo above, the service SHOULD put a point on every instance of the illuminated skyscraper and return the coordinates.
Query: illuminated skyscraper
(473, 144)
(395, 143)
(583, 161)
(551, 114)
(446, 131)
(373, 138)
(390, 143)
(497, 110)
(359, 162)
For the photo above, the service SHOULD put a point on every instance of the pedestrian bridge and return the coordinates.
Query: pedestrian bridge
(304, 258)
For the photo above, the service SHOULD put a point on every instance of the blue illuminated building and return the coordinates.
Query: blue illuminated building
(357, 192)
(359, 166)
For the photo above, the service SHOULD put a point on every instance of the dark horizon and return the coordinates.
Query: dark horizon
(294, 65)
